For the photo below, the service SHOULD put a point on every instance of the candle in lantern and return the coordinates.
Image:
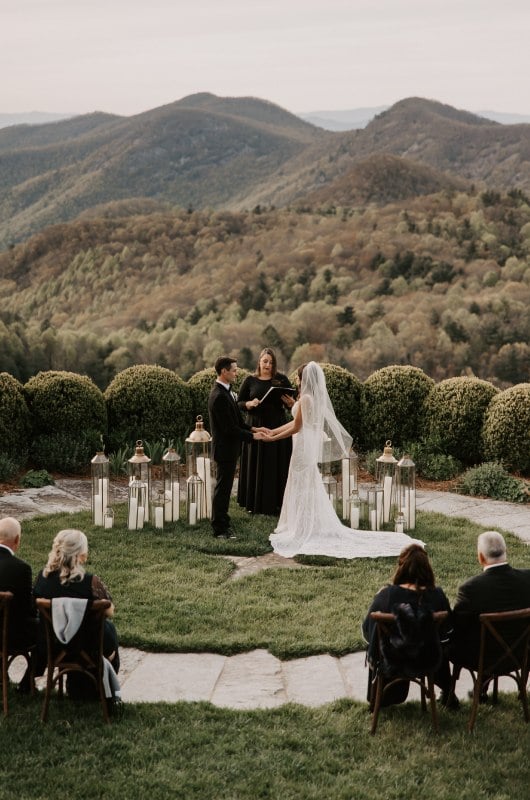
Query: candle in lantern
(193, 513)
(133, 508)
(387, 494)
(373, 520)
(141, 516)
(345, 486)
(159, 517)
(354, 517)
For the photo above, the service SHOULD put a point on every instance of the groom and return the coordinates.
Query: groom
(228, 431)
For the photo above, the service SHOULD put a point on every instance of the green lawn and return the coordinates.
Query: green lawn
(173, 594)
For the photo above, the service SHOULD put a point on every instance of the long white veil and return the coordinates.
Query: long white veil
(324, 436)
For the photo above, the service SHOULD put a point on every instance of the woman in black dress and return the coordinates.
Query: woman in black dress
(264, 465)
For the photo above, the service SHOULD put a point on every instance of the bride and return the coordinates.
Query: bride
(308, 523)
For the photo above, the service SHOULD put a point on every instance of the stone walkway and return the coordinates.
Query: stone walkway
(257, 679)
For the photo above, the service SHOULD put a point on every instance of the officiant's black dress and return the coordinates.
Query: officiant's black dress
(264, 465)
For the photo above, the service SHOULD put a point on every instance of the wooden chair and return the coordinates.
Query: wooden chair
(9, 653)
(503, 651)
(381, 683)
(82, 655)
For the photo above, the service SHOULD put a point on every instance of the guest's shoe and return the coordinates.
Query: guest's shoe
(449, 700)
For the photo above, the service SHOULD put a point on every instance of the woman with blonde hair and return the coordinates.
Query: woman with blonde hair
(65, 575)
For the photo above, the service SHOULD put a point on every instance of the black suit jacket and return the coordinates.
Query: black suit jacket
(15, 576)
(227, 425)
(501, 588)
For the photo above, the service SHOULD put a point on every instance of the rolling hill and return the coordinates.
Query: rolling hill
(205, 151)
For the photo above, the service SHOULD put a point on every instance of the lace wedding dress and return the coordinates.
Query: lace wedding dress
(308, 522)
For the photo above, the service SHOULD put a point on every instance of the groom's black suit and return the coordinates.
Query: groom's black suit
(228, 431)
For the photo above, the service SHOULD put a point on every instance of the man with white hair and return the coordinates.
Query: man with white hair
(15, 576)
(499, 587)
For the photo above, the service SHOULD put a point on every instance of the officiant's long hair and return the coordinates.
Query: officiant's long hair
(267, 351)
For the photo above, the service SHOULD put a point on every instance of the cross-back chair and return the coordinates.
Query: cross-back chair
(9, 652)
(503, 651)
(83, 654)
(381, 683)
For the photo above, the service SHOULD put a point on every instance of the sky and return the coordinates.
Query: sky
(129, 56)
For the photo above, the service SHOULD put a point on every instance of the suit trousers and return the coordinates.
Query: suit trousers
(226, 471)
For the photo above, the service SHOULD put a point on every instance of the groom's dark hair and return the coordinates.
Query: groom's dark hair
(224, 362)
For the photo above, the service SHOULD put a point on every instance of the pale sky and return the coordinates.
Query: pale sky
(128, 56)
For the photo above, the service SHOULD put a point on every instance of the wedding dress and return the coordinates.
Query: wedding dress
(308, 522)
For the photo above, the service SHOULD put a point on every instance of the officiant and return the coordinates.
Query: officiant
(265, 397)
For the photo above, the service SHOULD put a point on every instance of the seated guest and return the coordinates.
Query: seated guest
(15, 577)
(413, 587)
(64, 576)
(499, 587)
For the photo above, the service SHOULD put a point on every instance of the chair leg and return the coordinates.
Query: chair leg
(5, 681)
(377, 703)
(432, 700)
(47, 694)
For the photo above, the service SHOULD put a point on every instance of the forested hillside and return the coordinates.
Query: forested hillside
(441, 282)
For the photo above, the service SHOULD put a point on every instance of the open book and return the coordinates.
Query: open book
(281, 389)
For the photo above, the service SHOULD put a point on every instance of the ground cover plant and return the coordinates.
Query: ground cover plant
(173, 592)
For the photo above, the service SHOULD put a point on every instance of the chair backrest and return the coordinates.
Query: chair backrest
(413, 656)
(504, 641)
(88, 639)
(5, 602)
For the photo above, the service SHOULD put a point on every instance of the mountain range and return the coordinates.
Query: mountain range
(205, 151)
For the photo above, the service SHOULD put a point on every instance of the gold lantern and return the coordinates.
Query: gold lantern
(99, 469)
(139, 472)
(384, 474)
(405, 492)
(170, 462)
(199, 468)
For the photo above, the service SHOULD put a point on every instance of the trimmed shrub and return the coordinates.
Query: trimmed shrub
(68, 418)
(147, 402)
(15, 423)
(506, 430)
(393, 405)
(492, 480)
(455, 410)
(36, 479)
(200, 386)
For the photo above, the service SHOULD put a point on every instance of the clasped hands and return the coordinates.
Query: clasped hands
(263, 434)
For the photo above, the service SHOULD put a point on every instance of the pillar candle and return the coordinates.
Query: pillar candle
(373, 520)
(354, 517)
(378, 509)
(176, 502)
(159, 517)
(108, 521)
(193, 513)
(345, 486)
(387, 495)
(412, 510)
(141, 517)
(133, 507)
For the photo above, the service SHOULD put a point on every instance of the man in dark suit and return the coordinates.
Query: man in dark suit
(499, 587)
(15, 576)
(228, 432)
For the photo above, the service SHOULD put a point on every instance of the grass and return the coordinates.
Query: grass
(195, 751)
(173, 593)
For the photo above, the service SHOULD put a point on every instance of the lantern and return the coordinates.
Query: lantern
(405, 492)
(99, 468)
(139, 471)
(350, 471)
(375, 507)
(170, 462)
(384, 475)
(330, 486)
(199, 468)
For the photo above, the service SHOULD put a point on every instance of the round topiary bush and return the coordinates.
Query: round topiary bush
(147, 402)
(200, 386)
(455, 411)
(506, 429)
(15, 424)
(68, 417)
(393, 405)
